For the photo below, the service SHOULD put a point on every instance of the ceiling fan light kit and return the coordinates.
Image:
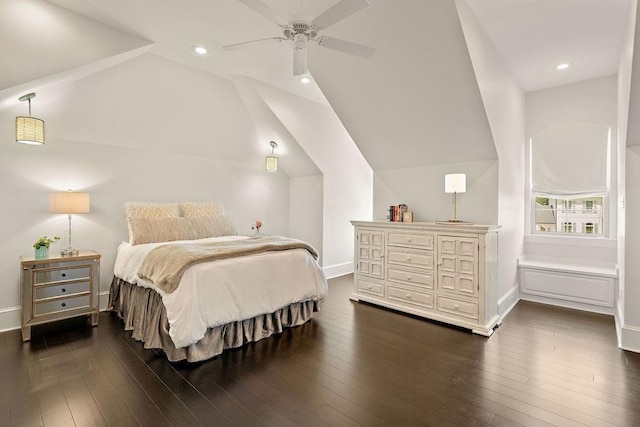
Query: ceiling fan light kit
(302, 32)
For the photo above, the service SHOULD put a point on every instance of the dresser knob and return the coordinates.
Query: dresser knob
(64, 289)
(408, 258)
(369, 287)
(64, 304)
(408, 240)
(408, 277)
(456, 306)
(408, 296)
(64, 274)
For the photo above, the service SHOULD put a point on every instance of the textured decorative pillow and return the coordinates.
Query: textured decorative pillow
(151, 210)
(199, 209)
(155, 230)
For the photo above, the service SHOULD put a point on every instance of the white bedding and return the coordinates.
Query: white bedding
(218, 292)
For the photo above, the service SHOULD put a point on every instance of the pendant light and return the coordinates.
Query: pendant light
(29, 130)
(271, 165)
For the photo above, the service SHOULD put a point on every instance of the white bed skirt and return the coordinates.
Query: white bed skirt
(145, 315)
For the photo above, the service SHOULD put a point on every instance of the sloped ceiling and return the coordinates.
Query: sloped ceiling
(416, 101)
(41, 40)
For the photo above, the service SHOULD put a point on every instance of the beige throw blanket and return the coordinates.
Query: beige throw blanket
(165, 264)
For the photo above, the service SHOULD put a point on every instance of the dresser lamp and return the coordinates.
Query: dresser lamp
(69, 203)
(455, 183)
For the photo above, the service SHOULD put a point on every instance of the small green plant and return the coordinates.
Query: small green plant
(45, 241)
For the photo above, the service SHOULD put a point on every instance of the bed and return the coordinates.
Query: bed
(187, 284)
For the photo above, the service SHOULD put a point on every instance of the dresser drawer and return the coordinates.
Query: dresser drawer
(67, 288)
(424, 241)
(371, 288)
(423, 299)
(56, 304)
(410, 277)
(422, 259)
(458, 307)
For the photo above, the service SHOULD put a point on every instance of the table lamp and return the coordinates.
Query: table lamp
(69, 203)
(455, 183)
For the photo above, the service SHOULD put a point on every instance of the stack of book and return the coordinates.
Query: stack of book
(396, 212)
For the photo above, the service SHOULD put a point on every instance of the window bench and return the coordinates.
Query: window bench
(572, 283)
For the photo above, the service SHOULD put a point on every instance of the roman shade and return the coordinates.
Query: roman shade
(571, 159)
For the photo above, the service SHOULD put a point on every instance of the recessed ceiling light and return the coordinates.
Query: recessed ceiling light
(200, 50)
(305, 79)
(563, 66)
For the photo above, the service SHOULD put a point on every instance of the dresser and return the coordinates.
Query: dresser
(59, 287)
(444, 272)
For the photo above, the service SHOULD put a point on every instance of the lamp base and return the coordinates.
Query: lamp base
(69, 252)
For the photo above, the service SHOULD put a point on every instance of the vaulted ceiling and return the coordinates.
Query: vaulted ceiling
(415, 102)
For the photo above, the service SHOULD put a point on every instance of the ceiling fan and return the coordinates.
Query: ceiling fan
(301, 32)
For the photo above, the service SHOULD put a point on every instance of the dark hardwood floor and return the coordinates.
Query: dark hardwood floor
(353, 364)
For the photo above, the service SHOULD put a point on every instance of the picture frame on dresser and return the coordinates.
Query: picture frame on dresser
(436, 271)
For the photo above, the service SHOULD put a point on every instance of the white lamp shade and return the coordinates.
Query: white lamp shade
(271, 164)
(455, 183)
(29, 130)
(69, 203)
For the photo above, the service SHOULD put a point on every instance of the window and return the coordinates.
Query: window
(567, 195)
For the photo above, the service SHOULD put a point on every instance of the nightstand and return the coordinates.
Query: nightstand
(59, 287)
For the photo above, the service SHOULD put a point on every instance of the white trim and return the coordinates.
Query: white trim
(619, 318)
(586, 240)
(568, 304)
(104, 300)
(10, 318)
(630, 338)
(508, 301)
(337, 270)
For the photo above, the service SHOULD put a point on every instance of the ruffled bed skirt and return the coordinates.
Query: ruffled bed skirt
(145, 315)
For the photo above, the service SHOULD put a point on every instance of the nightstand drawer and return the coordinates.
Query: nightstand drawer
(66, 288)
(58, 304)
(410, 277)
(424, 241)
(57, 274)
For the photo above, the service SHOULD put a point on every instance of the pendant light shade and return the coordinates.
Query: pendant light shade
(29, 130)
(271, 164)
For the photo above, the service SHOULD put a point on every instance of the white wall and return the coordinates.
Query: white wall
(348, 179)
(504, 103)
(147, 130)
(305, 210)
(422, 190)
(593, 101)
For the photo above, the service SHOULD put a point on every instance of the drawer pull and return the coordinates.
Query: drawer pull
(409, 259)
(369, 287)
(456, 306)
(64, 304)
(64, 289)
(408, 240)
(408, 277)
(408, 296)
(64, 274)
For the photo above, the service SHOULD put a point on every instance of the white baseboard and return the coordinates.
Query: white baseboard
(508, 301)
(630, 338)
(568, 304)
(619, 318)
(10, 319)
(337, 270)
(104, 300)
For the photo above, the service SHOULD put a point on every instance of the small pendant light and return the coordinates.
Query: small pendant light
(29, 130)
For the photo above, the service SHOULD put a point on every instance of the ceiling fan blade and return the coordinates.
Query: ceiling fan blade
(346, 47)
(242, 45)
(265, 11)
(338, 12)
(300, 61)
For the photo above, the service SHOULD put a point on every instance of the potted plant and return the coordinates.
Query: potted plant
(42, 246)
